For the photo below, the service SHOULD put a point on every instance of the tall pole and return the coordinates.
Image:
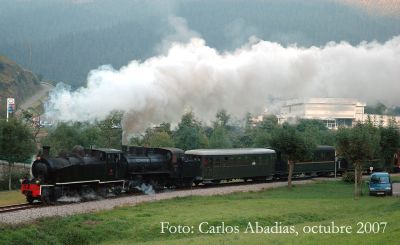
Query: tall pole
(7, 109)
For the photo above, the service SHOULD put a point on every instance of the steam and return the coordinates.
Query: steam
(195, 76)
(146, 189)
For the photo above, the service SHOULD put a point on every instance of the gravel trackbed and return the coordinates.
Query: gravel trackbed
(29, 215)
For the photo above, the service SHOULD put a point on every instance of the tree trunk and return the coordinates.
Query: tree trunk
(9, 175)
(290, 165)
(357, 180)
(359, 177)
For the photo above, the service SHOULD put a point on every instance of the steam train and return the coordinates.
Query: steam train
(107, 172)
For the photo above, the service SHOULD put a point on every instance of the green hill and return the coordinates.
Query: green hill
(15, 82)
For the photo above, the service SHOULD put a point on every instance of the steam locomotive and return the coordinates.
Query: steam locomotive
(109, 172)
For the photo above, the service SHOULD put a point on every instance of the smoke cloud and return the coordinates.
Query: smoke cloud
(195, 76)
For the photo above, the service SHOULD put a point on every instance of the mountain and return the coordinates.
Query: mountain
(15, 82)
(63, 40)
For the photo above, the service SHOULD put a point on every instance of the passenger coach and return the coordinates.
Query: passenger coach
(228, 164)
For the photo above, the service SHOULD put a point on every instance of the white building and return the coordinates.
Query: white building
(334, 112)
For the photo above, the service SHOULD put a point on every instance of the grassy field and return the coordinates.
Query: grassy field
(305, 206)
(11, 197)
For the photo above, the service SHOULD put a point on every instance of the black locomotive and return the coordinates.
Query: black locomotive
(104, 171)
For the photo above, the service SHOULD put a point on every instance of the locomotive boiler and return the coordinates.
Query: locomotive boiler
(102, 171)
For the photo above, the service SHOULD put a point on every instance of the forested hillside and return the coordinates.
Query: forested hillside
(15, 82)
(63, 40)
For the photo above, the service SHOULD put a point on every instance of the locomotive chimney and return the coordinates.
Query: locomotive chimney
(46, 151)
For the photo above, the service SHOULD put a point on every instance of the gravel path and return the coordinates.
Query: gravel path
(30, 215)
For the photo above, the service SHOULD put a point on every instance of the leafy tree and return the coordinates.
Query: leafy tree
(389, 144)
(269, 123)
(357, 145)
(160, 136)
(220, 138)
(313, 124)
(261, 137)
(64, 136)
(32, 117)
(222, 118)
(189, 133)
(317, 131)
(245, 136)
(263, 130)
(160, 139)
(91, 136)
(294, 145)
(111, 131)
(16, 143)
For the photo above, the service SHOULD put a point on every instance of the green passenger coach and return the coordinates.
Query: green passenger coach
(228, 164)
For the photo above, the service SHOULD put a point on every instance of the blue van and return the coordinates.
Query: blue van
(380, 184)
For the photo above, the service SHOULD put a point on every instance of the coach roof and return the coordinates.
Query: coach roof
(224, 152)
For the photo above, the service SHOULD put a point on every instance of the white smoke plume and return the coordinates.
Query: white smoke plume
(196, 76)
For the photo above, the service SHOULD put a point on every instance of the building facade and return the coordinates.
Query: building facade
(334, 112)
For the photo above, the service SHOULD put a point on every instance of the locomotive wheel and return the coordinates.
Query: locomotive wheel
(29, 199)
(46, 197)
(117, 190)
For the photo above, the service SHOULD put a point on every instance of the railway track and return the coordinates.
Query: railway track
(16, 207)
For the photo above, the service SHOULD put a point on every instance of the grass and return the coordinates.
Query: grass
(308, 205)
(11, 197)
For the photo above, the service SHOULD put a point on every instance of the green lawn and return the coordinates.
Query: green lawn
(307, 205)
(11, 197)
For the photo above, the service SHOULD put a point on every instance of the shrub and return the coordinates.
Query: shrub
(15, 184)
(348, 177)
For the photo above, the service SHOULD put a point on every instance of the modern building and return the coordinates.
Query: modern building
(334, 112)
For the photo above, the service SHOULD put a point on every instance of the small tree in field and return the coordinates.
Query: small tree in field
(389, 144)
(357, 145)
(16, 144)
(294, 145)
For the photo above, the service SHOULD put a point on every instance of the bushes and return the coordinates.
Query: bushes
(348, 177)
(15, 184)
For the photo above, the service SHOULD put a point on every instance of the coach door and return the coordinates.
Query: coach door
(208, 165)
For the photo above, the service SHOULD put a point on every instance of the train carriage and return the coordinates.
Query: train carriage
(322, 163)
(227, 164)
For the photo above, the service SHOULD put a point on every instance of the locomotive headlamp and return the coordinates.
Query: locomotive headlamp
(37, 181)
(38, 158)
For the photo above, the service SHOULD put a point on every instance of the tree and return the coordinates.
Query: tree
(316, 131)
(158, 136)
(160, 139)
(269, 123)
(65, 136)
(294, 145)
(32, 117)
(111, 131)
(245, 137)
(189, 133)
(357, 145)
(16, 143)
(389, 144)
(220, 136)
(222, 118)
